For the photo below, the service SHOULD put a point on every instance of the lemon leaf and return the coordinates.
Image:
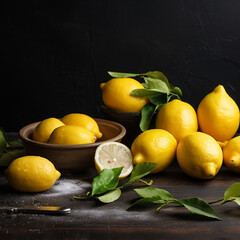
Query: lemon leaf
(8, 156)
(3, 141)
(146, 115)
(18, 143)
(106, 180)
(198, 206)
(110, 196)
(176, 90)
(123, 75)
(237, 200)
(157, 75)
(144, 92)
(153, 199)
(142, 170)
(157, 85)
(159, 99)
(152, 192)
(232, 193)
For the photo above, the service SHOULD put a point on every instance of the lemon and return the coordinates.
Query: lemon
(31, 174)
(112, 155)
(70, 134)
(82, 120)
(116, 95)
(218, 115)
(154, 145)
(231, 154)
(177, 117)
(199, 155)
(44, 129)
(222, 144)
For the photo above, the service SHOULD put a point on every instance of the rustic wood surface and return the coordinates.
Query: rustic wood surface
(90, 219)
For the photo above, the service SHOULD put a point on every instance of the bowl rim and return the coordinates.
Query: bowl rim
(75, 146)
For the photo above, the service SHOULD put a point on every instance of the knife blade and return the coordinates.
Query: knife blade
(37, 209)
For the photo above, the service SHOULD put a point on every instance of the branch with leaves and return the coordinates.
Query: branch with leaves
(105, 186)
(157, 89)
(105, 189)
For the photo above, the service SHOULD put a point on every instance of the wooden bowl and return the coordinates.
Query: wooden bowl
(71, 158)
(128, 119)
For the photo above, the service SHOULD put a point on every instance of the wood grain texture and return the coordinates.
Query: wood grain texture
(90, 219)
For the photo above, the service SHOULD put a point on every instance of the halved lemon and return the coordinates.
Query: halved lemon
(112, 155)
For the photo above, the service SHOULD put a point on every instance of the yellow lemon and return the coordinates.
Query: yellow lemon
(154, 145)
(231, 154)
(44, 129)
(82, 120)
(177, 117)
(116, 95)
(31, 174)
(112, 155)
(222, 144)
(218, 115)
(199, 155)
(70, 134)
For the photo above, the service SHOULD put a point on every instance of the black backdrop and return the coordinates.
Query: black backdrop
(56, 53)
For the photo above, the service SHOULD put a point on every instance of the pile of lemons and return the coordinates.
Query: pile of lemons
(74, 128)
(37, 174)
(200, 140)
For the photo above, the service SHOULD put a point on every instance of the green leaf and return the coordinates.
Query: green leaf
(147, 114)
(144, 92)
(157, 85)
(153, 199)
(198, 206)
(159, 99)
(106, 180)
(123, 75)
(3, 141)
(152, 192)
(157, 75)
(18, 143)
(9, 156)
(233, 192)
(142, 170)
(110, 196)
(237, 200)
(177, 91)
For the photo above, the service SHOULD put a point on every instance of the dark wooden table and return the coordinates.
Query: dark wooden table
(90, 219)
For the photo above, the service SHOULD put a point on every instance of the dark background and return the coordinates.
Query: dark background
(56, 53)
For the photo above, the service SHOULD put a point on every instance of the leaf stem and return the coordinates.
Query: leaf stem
(86, 196)
(163, 205)
(215, 201)
(145, 182)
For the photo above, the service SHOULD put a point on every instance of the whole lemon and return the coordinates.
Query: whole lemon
(199, 155)
(231, 154)
(177, 117)
(82, 120)
(218, 115)
(44, 129)
(154, 145)
(31, 174)
(116, 95)
(70, 134)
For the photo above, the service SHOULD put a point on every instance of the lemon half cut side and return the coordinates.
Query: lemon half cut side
(110, 155)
